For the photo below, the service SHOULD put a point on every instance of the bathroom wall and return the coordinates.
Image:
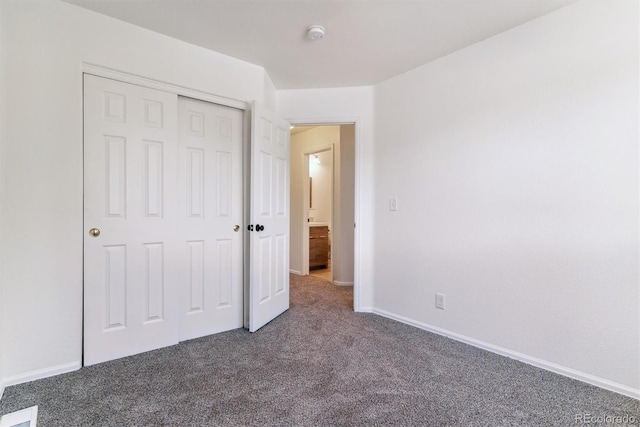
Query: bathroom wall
(322, 182)
(343, 231)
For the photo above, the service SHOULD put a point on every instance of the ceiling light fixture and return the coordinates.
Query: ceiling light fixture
(316, 32)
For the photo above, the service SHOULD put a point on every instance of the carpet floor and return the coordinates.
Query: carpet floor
(317, 364)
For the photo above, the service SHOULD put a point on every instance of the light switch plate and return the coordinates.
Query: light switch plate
(393, 204)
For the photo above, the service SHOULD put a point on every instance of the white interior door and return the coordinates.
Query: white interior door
(210, 164)
(130, 194)
(269, 213)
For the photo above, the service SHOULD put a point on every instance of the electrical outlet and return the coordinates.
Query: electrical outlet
(440, 301)
(393, 204)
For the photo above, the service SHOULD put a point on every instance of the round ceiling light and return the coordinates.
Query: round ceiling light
(316, 32)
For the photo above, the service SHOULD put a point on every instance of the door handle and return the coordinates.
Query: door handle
(94, 232)
(236, 228)
(259, 227)
(250, 227)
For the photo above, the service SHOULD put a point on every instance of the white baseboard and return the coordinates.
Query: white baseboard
(365, 309)
(42, 373)
(296, 272)
(534, 361)
(337, 283)
(1, 389)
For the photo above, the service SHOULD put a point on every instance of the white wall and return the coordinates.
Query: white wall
(342, 252)
(344, 105)
(269, 96)
(322, 176)
(307, 141)
(42, 207)
(2, 183)
(515, 165)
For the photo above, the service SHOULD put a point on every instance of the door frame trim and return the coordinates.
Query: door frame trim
(356, 121)
(124, 77)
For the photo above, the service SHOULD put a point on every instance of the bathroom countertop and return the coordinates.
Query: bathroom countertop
(318, 224)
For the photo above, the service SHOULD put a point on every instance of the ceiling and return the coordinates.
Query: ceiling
(367, 41)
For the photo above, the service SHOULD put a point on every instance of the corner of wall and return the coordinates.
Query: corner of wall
(269, 93)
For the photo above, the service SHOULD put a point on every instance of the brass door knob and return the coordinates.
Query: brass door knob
(94, 232)
(236, 228)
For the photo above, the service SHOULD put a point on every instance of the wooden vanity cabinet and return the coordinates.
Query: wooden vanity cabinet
(318, 247)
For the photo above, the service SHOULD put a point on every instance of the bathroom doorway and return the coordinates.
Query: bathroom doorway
(320, 212)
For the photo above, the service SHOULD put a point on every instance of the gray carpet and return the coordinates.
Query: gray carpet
(318, 364)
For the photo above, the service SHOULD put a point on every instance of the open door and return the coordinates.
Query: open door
(269, 217)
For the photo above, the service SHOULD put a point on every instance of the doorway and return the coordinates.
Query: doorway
(323, 209)
(320, 212)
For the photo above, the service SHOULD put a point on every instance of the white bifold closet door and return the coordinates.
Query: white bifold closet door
(163, 210)
(163, 217)
(210, 215)
(131, 268)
